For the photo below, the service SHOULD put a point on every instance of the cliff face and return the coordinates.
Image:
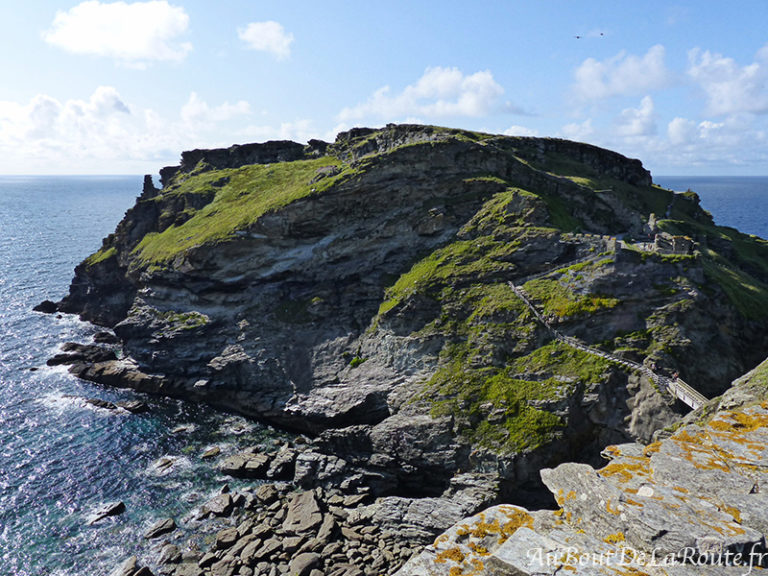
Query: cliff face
(359, 290)
(692, 503)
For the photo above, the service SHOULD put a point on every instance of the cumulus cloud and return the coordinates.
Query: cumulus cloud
(104, 133)
(729, 87)
(520, 131)
(681, 131)
(579, 131)
(440, 92)
(267, 36)
(638, 122)
(624, 74)
(133, 33)
(197, 110)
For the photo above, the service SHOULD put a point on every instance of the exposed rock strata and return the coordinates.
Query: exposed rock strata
(690, 504)
(358, 291)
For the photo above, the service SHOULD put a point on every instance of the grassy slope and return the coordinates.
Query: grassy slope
(250, 192)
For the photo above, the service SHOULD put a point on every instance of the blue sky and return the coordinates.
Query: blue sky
(102, 87)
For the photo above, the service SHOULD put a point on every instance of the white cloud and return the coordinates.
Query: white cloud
(681, 131)
(520, 131)
(624, 74)
(440, 92)
(103, 133)
(579, 132)
(133, 33)
(197, 110)
(267, 36)
(300, 130)
(730, 88)
(638, 122)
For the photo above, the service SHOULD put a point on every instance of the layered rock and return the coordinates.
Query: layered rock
(359, 291)
(689, 504)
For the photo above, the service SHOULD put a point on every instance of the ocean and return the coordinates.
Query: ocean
(736, 201)
(61, 458)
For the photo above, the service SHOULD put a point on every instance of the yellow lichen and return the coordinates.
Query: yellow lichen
(615, 538)
(652, 448)
(477, 549)
(740, 422)
(625, 471)
(453, 554)
(516, 518)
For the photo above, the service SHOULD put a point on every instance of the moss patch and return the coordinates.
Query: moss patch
(100, 256)
(563, 302)
(246, 194)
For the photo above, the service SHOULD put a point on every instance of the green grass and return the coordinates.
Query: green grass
(250, 192)
(463, 261)
(100, 256)
(504, 408)
(747, 294)
(564, 361)
(562, 302)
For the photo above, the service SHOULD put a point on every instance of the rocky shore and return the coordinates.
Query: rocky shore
(296, 510)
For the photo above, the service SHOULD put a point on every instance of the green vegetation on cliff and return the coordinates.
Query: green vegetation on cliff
(444, 221)
(246, 194)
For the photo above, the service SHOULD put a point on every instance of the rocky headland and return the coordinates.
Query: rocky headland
(442, 313)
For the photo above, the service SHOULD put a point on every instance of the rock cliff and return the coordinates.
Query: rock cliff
(692, 503)
(359, 291)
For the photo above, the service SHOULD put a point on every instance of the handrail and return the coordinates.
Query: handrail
(675, 386)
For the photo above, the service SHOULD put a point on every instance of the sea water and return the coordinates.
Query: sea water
(737, 201)
(61, 458)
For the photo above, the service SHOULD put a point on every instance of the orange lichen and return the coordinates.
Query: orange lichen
(453, 554)
(680, 489)
(625, 471)
(615, 538)
(734, 512)
(516, 518)
(740, 422)
(652, 448)
(477, 549)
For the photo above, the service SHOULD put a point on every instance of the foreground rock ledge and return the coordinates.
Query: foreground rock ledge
(690, 504)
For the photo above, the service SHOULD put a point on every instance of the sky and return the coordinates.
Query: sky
(103, 87)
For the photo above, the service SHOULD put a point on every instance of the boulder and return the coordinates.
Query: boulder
(73, 352)
(160, 527)
(46, 307)
(221, 505)
(226, 538)
(133, 406)
(106, 510)
(106, 405)
(302, 564)
(169, 554)
(303, 513)
(127, 568)
(246, 465)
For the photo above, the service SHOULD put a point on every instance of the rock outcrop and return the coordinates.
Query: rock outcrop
(692, 503)
(359, 291)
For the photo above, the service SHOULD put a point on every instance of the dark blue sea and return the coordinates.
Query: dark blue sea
(61, 458)
(737, 201)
